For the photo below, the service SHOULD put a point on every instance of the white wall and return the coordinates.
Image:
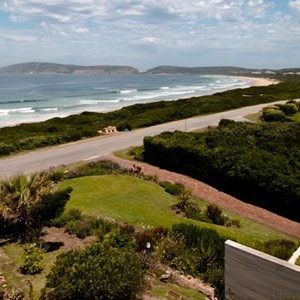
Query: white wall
(251, 274)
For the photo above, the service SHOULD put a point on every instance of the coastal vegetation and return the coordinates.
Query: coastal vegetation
(281, 112)
(124, 230)
(258, 163)
(87, 124)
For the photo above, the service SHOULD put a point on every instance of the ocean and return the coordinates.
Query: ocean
(34, 98)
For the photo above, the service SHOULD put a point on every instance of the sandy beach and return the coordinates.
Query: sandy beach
(255, 81)
(261, 81)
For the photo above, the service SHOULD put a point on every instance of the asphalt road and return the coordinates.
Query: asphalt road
(96, 147)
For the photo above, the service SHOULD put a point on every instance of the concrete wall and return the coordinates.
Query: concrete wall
(251, 274)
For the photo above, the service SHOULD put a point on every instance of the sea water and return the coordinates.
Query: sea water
(34, 98)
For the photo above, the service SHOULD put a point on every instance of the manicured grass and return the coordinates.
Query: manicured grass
(296, 117)
(298, 261)
(253, 117)
(124, 154)
(133, 200)
(123, 198)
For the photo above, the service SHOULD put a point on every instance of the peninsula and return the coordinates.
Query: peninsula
(44, 68)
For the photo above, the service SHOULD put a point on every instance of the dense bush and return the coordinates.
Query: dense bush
(258, 163)
(32, 260)
(280, 112)
(96, 272)
(288, 108)
(273, 115)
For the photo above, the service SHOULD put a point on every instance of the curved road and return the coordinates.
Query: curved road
(96, 147)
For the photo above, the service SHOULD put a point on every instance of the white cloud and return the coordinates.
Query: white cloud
(139, 28)
(257, 8)
(150, 40)
(18, 36)
(80, 30)
(295, 4)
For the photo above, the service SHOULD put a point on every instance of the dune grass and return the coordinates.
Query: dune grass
(133, 200)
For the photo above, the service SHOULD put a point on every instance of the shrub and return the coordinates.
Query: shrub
(56, 176)
(152, 236)
(183, 200)
(200, 252)
(232, 222)
(71, 215)
(5, 150)
(104, 227)
(172, 188)
(289, 108)
(192, 211)
(136, 153)
(282, 249)
(273, 115)
(96, 272)
(119, 238)
(81, 228)
(214, 213)
(32, 260)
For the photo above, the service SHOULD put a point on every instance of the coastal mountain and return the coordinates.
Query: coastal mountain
(36, 68)
(234, 71)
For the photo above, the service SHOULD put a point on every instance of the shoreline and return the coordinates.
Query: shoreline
(255, 81)
(263, 81)
(248, 82)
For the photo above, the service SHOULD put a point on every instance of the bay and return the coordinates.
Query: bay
(34, 98)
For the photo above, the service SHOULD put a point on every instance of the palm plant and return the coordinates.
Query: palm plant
(19, 197)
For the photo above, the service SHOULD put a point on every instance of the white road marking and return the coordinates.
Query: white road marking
(92, 157)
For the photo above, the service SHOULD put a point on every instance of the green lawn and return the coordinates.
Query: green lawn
(133, 200)
(122, 198)
(296, 117)
(253, 117)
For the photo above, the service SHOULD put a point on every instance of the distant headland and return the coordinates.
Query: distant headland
(44, 68)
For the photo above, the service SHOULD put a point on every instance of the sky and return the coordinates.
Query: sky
(148, 33)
